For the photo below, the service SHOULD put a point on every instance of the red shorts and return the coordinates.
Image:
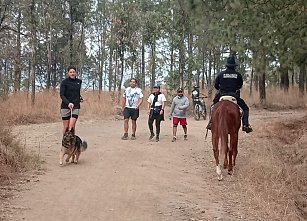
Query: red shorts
(182, 121)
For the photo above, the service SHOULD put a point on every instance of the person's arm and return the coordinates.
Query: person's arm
(163, 104)
(124, 101)
(149, 104)
(240, 81)
(62, 93)
(217, 82)
(185, 105)
(172, 108)
(140, 101)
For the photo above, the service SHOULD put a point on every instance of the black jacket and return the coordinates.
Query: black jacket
(228, 81)
(70, 92)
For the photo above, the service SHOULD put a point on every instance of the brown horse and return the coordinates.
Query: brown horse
(226, 122)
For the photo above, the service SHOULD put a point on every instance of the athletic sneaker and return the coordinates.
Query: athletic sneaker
(133, 137)
(157, 138)
(185, 137)
(125, 137)
(151, 136)
(174, 139)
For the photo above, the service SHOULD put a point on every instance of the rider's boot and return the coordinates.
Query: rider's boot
(246, 126)
(209, 124)
(208, 127)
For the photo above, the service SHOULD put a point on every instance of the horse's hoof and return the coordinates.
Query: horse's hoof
(229, 172)
(76, 162)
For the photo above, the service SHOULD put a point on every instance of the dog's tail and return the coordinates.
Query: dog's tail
(83, 146)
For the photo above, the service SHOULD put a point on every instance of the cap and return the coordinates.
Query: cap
(180, 90)
(156, 86)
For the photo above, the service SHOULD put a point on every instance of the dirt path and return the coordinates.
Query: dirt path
(138, 180)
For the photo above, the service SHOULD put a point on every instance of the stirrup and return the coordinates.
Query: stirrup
(247, 128)
(209, 126)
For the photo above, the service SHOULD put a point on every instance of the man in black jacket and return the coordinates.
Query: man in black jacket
(229, 82)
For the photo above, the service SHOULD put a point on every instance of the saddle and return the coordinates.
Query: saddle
(233, 100)
(228, 98)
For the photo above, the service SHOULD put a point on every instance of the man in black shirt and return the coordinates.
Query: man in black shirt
(229, 82)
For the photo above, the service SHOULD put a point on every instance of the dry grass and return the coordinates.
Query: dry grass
(275, 180)
(276, 99)
(13, 156)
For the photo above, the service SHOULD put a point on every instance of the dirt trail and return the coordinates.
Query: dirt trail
(138, 180)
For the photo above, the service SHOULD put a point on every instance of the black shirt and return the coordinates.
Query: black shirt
(195, 93)
(70, 92)
(228, 81)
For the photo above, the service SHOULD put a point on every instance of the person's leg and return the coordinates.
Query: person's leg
(133, 127)
(72, 122)
(158, 126)
(126, 123)
(175, 124)
(150, 126)
(174, 132)
(65, 113)
(65, 125)
(183, 123)
(134, 117)
(245, 119)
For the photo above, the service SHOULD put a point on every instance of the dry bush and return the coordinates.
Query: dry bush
(18, 109)
(13, 156)
(275, 179)
(276, 99)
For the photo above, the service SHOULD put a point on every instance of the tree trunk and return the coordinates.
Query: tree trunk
(17, 78)
(110, 68)
(284, 78)
(49, 57)
(181, 59)
(153, 64)
(172, 58)
(190, 64)
(71, 30)
(143, 67)
(122, 66)
(301, 80)
(251, 83)
(262, 92)
(33, 53)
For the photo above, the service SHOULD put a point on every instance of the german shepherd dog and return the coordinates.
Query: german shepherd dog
(72, 145)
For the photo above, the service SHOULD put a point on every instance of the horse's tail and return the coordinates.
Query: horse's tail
(223, 132)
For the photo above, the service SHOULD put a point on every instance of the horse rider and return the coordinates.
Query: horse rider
(229, 82)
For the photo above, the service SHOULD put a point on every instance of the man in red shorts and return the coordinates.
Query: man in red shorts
(179, 108)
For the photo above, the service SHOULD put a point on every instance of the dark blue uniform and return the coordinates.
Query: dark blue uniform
(229, 82)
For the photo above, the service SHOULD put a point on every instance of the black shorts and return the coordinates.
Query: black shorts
(67, 113)
(131, 112)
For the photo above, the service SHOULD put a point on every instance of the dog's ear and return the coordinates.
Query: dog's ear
(72, 130)
(67, 129)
